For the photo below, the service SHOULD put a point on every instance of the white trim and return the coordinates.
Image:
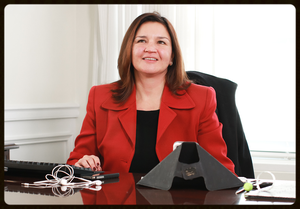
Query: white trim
(20, 143)
(282, 165)
(41, 112)
(274, 165)
(38, 139)
(273, 155)
(274, 161)
(43, 106)
(42, 140)
(41, 125)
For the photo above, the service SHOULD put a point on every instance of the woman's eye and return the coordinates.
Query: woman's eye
(141, 41)
(161, 42)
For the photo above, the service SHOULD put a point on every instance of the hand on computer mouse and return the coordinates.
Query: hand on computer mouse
(89, 161)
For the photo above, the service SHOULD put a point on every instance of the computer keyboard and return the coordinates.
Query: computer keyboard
(15, 167)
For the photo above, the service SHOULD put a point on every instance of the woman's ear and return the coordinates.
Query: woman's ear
(172, 57)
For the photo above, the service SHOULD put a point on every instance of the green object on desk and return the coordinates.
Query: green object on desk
(248, 186)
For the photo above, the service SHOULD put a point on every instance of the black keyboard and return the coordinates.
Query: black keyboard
(15, 167)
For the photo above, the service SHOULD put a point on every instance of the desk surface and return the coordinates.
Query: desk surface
(123, 191)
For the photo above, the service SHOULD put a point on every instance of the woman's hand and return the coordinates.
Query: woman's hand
(89, 161)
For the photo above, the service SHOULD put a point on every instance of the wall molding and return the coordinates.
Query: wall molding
(38, 139)
(281, 164)
(41, 112)
(38, 126)
(273, 155)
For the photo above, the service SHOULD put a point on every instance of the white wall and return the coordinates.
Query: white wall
(40, 43)
(47, 63)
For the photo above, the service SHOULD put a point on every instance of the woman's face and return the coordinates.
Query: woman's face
(152, 49)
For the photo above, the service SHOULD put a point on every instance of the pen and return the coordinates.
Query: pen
(240, 190)
(11, 181)
(262, 185)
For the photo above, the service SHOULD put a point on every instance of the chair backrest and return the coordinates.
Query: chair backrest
(233, 133)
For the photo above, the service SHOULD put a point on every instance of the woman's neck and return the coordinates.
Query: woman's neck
(148, 92)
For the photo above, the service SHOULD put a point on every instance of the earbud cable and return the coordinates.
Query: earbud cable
(65, 183)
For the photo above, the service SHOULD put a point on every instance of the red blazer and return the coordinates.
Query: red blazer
(109, 130)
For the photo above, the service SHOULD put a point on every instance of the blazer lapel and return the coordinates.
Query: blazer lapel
(166, 116)
(126, 114)
(169, 102)
(127, 119)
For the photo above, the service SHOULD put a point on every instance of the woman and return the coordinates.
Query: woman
(131, 125)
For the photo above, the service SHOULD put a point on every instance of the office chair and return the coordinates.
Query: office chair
(233, 133)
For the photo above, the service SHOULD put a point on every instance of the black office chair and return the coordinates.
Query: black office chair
(233, 133)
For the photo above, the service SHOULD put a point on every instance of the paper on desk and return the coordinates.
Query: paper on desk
(279, 190)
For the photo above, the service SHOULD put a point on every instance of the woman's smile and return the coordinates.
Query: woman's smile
(152, 49)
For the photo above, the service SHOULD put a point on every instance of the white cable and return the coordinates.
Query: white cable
(268, 187)
(65, 183)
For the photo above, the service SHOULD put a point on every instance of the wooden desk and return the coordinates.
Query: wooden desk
(123, 192)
